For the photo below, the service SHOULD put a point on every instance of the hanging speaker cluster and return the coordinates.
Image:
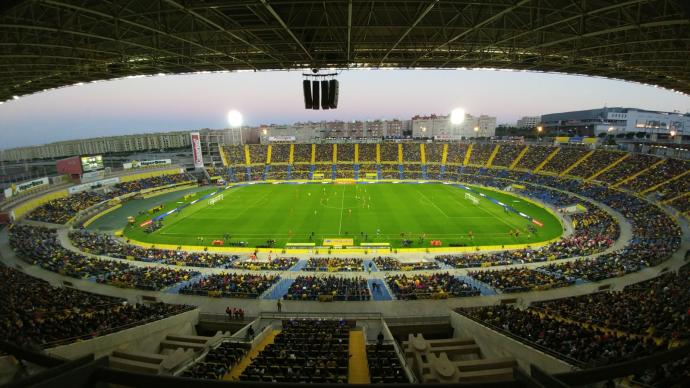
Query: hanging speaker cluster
(320, 91)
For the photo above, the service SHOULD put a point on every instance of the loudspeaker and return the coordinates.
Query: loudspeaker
(333, 93)
(306, 86)
(325, 103)
(315, 95)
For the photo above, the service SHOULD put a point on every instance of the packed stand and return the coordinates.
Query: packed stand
(625, 169)
(40, 246)
(481, 153)
(231, 285)
(384, 365)
(147, 183)
(572, 342)
(61, 210)
(346, 152)
(277, 264)
(507, 154)
(521, 279)
(433, 153)
(456, 153)
(217, 362)
(324, 153)
(305, 351)
(103, 244)
(389, 152)
(593, 232)
(146, 278)
(333, 264)
(35, 314)
(257, 153)
(566, 157)
(280, 153)
(659, 174)
(675, 188)
(681, 203)
(328, 288)
(657, 307)
(367, 153)
(302, 153)
(534, 156)
(596, 162)
(234, 155)
(392, 264)
(433, 286)
(412, 153)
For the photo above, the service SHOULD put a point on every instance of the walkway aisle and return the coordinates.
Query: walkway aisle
(358, 367)
(383, 294)
(235, 372)
(278, 290)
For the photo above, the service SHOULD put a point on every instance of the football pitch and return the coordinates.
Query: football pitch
(403, 215)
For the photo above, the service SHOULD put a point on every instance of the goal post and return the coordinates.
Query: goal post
(472, 198)
(215, 199)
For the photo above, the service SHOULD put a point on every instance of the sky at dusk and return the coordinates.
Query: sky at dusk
(188, 102)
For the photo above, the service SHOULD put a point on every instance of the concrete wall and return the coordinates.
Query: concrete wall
(144, 338)
(494, 344)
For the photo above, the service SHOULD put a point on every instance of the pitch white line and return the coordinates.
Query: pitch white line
(342, 207)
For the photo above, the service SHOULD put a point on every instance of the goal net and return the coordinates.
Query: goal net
(215, 199)
(472, 198)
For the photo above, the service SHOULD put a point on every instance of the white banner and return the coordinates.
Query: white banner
(196, 150)
(282, 138)
(146, 163)
(92, 176)
(20, 187)
(93, 185)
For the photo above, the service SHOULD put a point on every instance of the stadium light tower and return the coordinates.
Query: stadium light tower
(457, 116)
(234, 119)
(235, 123)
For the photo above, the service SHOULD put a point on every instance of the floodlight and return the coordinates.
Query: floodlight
(234, 118)
(457, 116)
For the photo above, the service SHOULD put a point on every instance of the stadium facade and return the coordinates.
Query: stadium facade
(615, 120)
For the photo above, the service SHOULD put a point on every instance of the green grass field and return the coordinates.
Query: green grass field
(289, 213)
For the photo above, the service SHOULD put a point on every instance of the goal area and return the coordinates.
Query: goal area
(215, 199)
(472, 198)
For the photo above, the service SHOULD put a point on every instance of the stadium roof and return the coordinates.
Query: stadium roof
(52, 43)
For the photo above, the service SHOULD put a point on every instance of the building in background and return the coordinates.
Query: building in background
(618, 120)
(440, 127)
(528, 122)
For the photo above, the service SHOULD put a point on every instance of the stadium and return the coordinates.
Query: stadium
(352, 254)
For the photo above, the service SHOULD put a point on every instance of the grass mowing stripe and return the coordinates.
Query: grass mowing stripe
(400, 211)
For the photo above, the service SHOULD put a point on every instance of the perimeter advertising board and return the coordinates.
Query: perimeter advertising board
(18, 188)
(196, 150)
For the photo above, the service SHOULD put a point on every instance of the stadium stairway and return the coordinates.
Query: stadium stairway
(312, 168)
(384, 294)
(266, 171)
(278, 290)
(401, 170)
(366, 263)
(175, 288)
(484, 288)
(334, 171)
(289, 172)
(237, 370)
(425, 176)
(442, 172)
(248, 173)
(298, 266)
(356, 169)
(358, 367)
(378, 169)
